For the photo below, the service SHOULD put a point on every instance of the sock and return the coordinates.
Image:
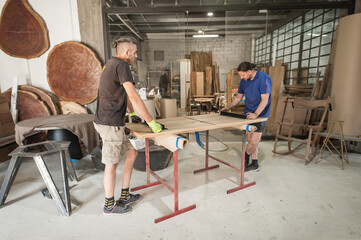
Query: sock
(125, 194)
(246, 160)
(109, 203)
(255, 162)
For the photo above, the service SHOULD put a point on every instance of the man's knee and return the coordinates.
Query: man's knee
(132, 154)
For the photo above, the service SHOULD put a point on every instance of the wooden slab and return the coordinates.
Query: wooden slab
(208, 83)
(28, 105)
(277, 75)
(7, 126)
(44, 96)
(23, 32)
(67, 107)
(190, 124)
(73, 72)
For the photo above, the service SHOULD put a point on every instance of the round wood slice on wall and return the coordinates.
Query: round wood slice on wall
(73, 72)
(28, 105)
(23, 32)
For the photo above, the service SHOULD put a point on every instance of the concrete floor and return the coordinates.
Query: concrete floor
(290, 200)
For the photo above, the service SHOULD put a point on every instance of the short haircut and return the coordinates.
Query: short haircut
(245, 66)
(124, 39)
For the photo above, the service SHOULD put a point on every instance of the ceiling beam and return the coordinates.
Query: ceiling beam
(241, 26)
(158, 19)
(233, 7)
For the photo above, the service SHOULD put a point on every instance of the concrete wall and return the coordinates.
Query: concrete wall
(61, 19)
(227, 52)
(91, 26)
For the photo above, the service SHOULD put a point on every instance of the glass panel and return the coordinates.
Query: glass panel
(324, 60)
(297, 30)
(315, 42)
(304, 63)
(294, 65)
(329, 15)
(313, 62)
(288, 50)
(280, 53)
(281, 37)
(281, 45)
(306, 54)
(296, 48)
(306, 45)
(327, 27)
(306, 35)
(307, 26)
(288, 42)
(317, 21)
(308, 15)
(315, 52)
(316, 32)
(287, 59)
(326, 38)
(325, 49)
(289, 26)
(318, 12)
(289, 34)
(296, 39)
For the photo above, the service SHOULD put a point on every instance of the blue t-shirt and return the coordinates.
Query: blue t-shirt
(252, 90)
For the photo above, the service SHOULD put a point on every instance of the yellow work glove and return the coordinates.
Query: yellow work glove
(156, 127)
(135, 118)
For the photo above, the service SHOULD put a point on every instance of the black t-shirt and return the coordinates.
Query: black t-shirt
(112, 97)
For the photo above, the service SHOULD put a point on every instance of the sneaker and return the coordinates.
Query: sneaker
(117, 209)
(132, 199)
(252, 168)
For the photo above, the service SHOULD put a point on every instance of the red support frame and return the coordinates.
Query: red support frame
(173, 189)
(206, 168)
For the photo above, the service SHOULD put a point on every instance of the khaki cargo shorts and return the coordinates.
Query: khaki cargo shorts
(115, 143)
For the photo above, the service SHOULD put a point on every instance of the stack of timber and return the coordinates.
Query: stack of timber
(204, 74)
(277, 75)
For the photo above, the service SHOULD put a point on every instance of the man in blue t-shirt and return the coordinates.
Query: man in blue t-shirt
(256, 86)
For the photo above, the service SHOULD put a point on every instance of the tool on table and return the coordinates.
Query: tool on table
(236, 115)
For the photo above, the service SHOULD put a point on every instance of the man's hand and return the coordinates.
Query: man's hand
(156, 127)
(135, 118)
(251, 115)
(225, 109)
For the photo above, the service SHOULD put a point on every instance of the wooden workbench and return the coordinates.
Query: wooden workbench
(186, 125)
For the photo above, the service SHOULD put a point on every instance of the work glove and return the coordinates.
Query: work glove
(135, 118)
(156, 127)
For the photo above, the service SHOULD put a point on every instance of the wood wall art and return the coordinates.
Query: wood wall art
(23, 32)
(73, 72)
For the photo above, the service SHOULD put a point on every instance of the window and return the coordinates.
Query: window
(304, 43)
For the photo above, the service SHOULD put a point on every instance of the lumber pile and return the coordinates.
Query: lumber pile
(204, 74)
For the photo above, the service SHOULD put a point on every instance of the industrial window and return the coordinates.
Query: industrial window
(304, 44)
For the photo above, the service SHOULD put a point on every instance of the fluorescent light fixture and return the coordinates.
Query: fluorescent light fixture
(200, 31)
(206, 36)
(210, 14)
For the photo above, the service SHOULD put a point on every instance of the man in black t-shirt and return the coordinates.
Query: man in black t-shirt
(116, 95)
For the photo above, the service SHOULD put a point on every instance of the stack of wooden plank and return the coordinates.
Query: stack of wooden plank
(204, 74)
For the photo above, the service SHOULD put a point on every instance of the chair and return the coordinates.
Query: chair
(313, 130)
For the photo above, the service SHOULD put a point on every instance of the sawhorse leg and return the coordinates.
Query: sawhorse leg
(241, 184)
(11, 172)
(174, 190)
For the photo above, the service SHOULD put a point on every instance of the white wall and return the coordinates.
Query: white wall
(61, 20)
